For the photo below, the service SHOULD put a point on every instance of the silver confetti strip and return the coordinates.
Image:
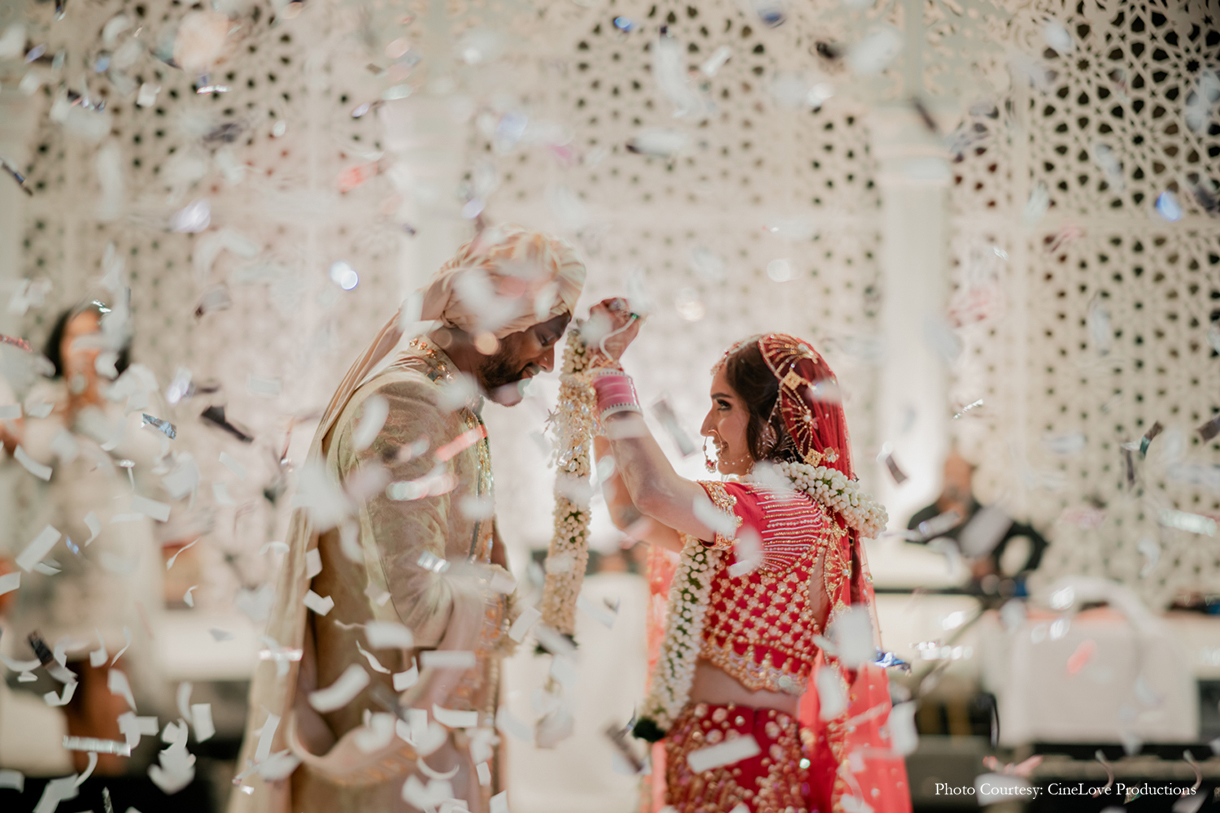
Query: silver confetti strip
(96, 745)
(162, 426)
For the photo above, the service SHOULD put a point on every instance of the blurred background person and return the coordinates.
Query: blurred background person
(96, 593)
(982, 533)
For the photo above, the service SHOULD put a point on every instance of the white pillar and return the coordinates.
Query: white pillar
(428, 138)
(913, 416)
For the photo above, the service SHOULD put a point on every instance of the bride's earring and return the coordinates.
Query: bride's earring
(769, 439)
(707, 459)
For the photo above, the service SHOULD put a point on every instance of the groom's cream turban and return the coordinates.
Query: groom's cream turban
(504, 281)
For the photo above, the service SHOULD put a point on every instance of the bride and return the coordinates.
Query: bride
(770, 559)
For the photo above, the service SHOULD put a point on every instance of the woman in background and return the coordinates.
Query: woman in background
(770, 558)
(98, 588)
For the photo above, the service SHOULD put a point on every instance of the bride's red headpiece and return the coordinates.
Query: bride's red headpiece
(808, 401)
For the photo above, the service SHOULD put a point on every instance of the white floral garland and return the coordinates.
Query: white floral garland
(839, 494)
(675, 669)
(573, 422)
(691, 587)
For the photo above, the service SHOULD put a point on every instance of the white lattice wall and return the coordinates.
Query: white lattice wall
(543, 115)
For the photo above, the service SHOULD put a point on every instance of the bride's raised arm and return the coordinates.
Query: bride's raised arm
(645, 494)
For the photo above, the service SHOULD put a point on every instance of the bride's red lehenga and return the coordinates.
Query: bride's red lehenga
(759, 628)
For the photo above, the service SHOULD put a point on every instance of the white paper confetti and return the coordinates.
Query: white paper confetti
(232, 465)
(313, 562)
(31, 465)
(388, 635)
(201, 719)
(37, 550)
(524, 622)
(342, 691)
(150, 508)
(447, 659)
(318, 604)
(266, 736)
(372, 418)
(9, 582)
(117, 683)
(725, 753)
(451, 718)
(405, 680)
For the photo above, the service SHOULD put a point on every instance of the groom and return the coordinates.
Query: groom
(383, 650)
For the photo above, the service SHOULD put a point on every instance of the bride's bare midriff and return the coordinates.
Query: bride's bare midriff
(712, 685)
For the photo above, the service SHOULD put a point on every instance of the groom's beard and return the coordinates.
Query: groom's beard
(502, 378)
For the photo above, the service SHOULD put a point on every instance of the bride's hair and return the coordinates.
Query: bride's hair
(754, 383)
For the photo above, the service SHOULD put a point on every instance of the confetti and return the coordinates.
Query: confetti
(318, 604)
(430, 561)
(388, 635)
(598, 611)
(1039, 201)
(875, 52)
(407, 679)
(460, 443)
(1057, 36)
(342, 691)
(20, 344)
(150, 508)
(1078, 659)
(716, 61)
(725, 753)
(1167, 206)
(770, 12)
(12, 780)
(96, 745)
(618, 738)
(117, 683)
(658, 142)
(201, 719)
(17, 176)
(888, 660)
(887, 457)
(1149, 436)
(32, 466)
(193, 218)
(968, 407)
(1210, 429)
(10, 582)
(451, 718)
(164, 427)
(1191, 523)
(214, 299)
(176, 768)
(669, 420)
(1103, 156)
(38, 549)
(521, 626)
(447, 659)
(372, 418)
(216, 415)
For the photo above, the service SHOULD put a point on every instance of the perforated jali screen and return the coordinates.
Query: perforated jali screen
(758, 208)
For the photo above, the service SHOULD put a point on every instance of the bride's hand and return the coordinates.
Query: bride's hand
(613, 327)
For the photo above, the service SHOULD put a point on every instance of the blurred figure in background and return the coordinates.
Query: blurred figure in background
(96, 590)
(982, 533)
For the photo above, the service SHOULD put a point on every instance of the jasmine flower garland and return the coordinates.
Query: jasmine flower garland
(573, 423)
(838, 494)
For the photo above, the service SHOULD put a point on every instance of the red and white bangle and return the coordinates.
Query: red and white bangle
(615, 392)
